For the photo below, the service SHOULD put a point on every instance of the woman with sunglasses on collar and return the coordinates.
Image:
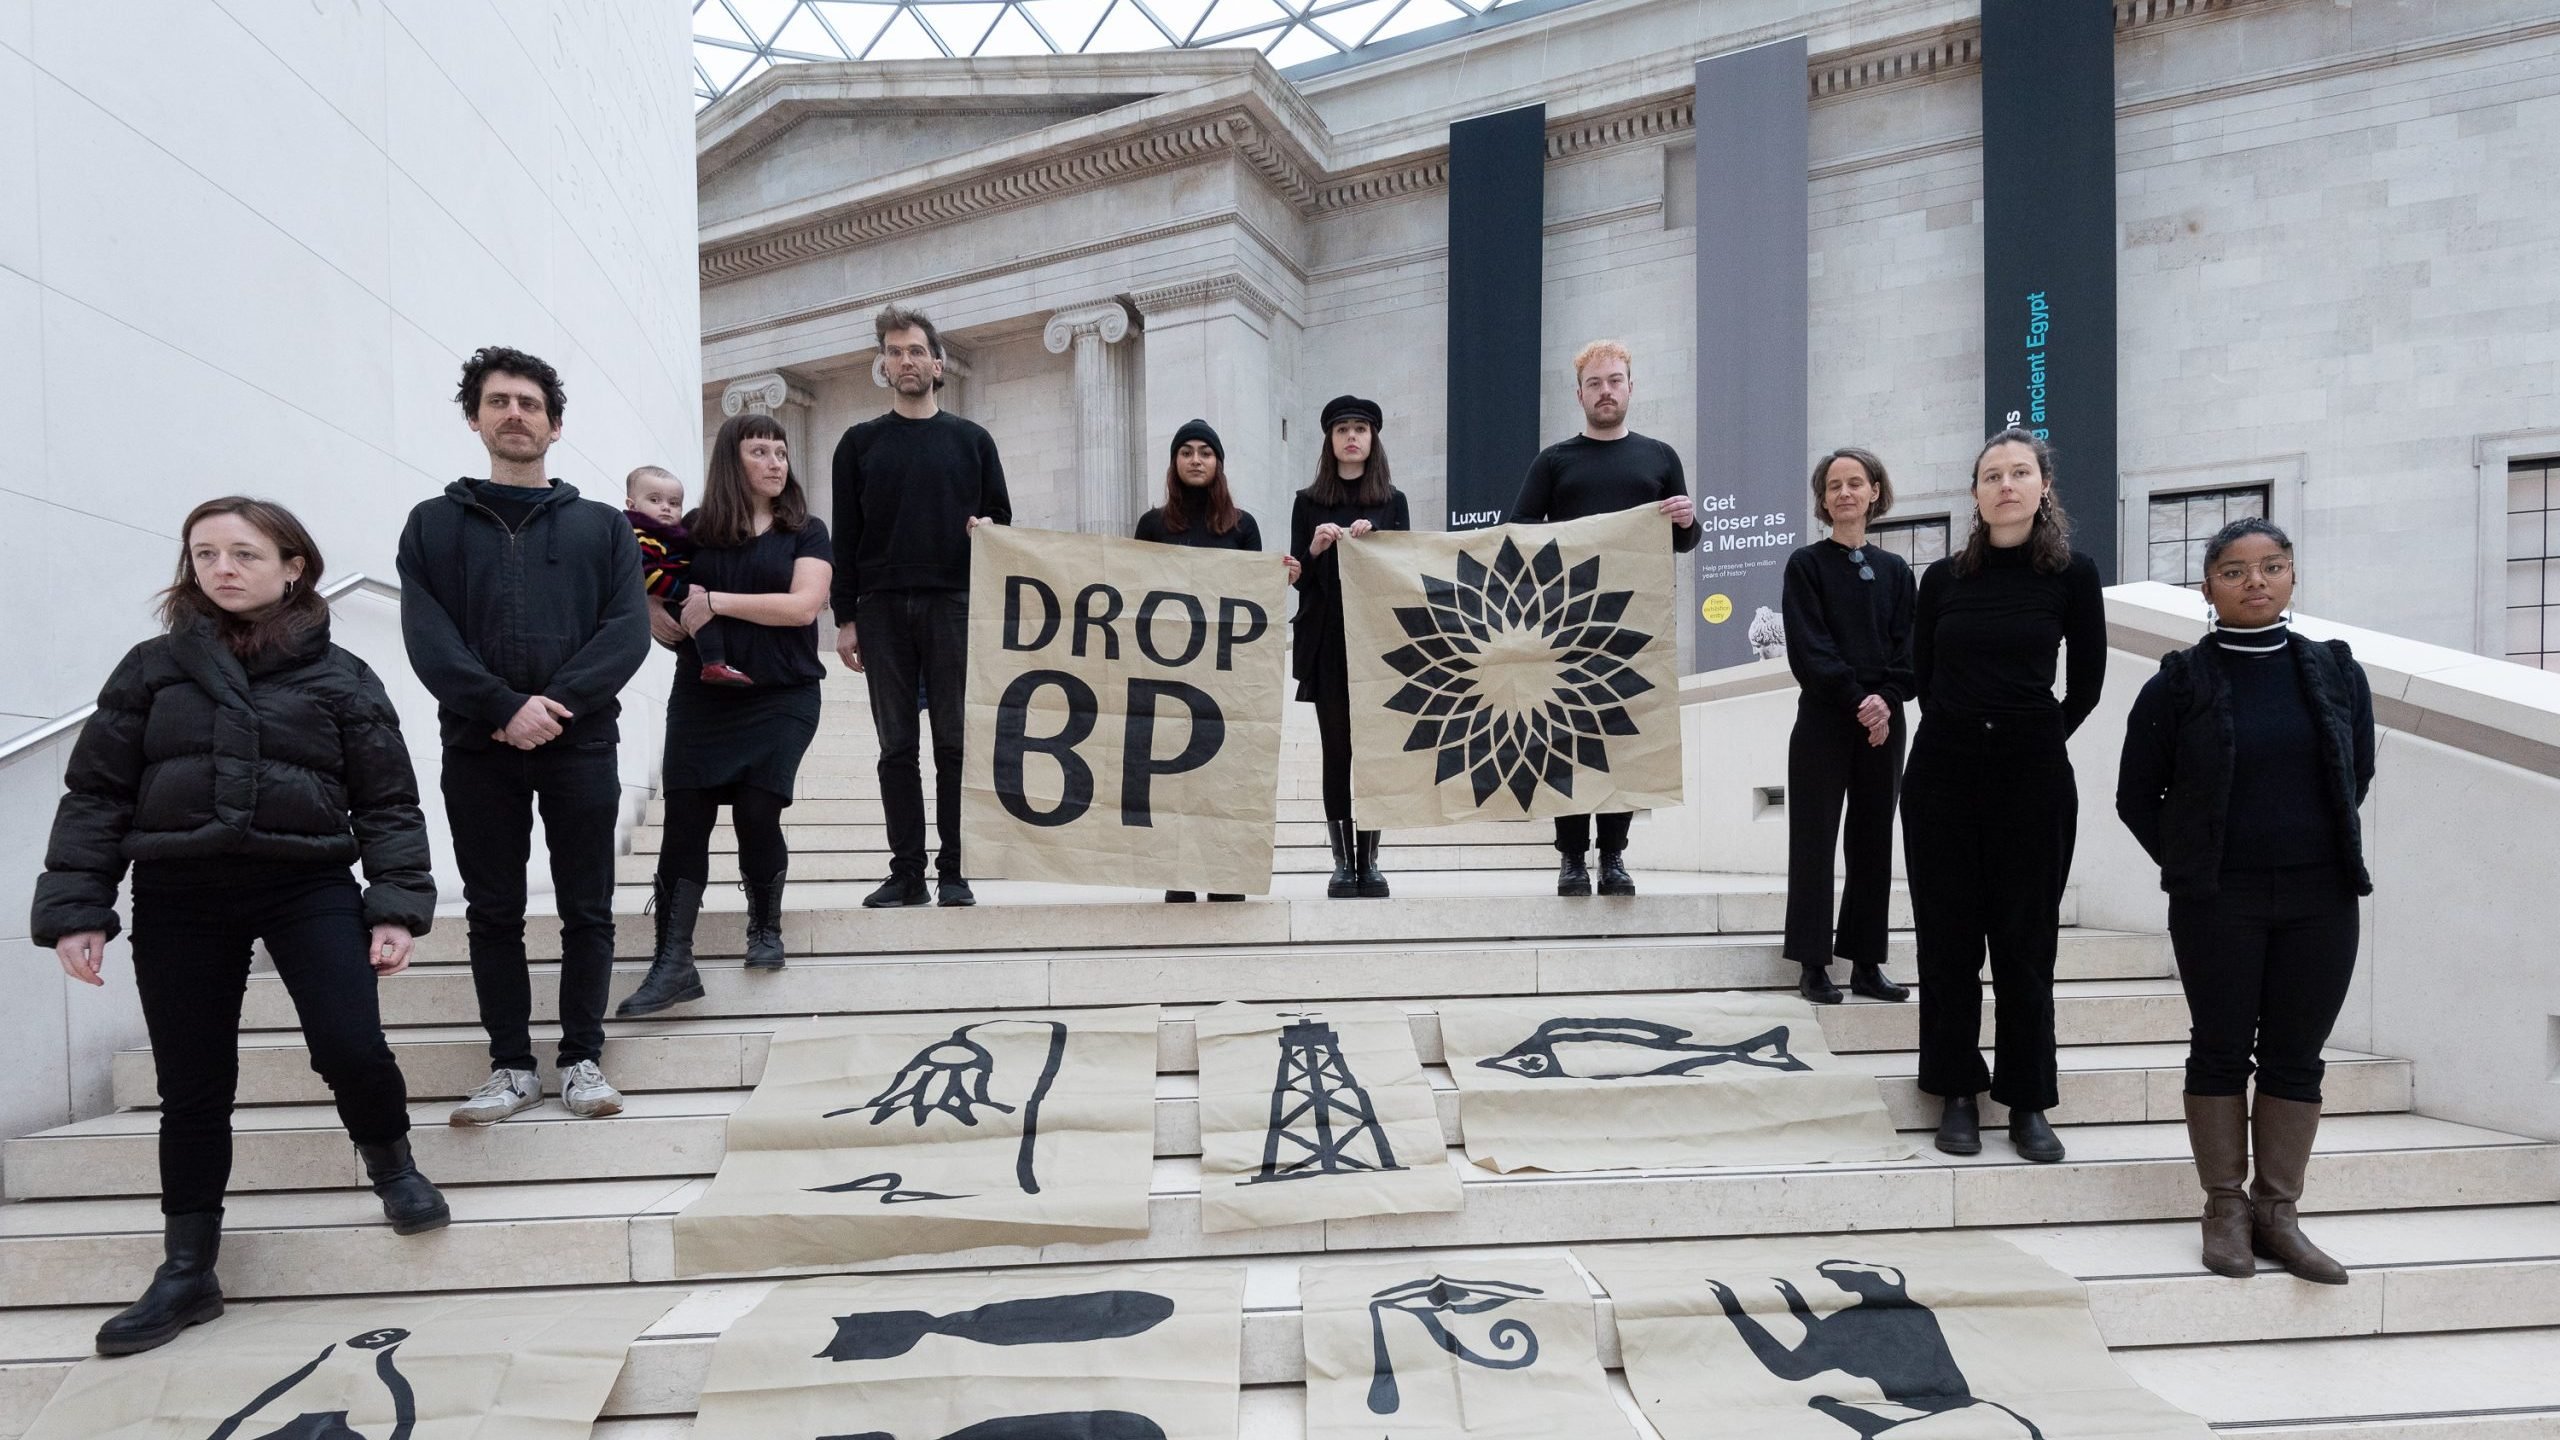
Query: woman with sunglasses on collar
(2245, 760)
(1848, 608)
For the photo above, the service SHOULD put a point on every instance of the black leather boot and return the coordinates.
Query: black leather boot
(1816, 986)
(409, 1200)
(1573, 878)
(1872, 982)
(182, 1292)
(2033, 1138)
(1614, 879)
(764, 921)
(1345, 883)
(1373, 881)
(1181, 897)
(1960, 1126)
(672, 980)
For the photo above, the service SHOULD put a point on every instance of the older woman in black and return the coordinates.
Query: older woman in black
(762, 562)
(2245, 760)
(239, 763)
(1849, 612)
(1990, 808)
(1353, 495)
(1200, 511)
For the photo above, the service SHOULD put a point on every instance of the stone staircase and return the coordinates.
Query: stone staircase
(2450, 1331)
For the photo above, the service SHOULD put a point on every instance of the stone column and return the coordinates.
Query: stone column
(1217, 348)
(1104, 442)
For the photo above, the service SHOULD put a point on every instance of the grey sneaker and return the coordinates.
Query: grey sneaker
(587, 1093)
(505, 1093)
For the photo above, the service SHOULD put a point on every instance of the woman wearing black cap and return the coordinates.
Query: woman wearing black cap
(1352, 496)
(1199, 511)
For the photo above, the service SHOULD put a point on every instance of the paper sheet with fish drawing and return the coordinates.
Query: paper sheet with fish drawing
(1614, 1082)
(925, 1134)
(1127, 1353)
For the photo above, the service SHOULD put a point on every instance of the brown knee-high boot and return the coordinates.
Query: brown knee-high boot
(2218, 1132)
(2282, 1131)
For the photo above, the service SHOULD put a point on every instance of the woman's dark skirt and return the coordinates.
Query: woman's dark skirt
(719, 738)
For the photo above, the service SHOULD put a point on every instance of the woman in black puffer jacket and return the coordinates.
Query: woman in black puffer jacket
(240, 762)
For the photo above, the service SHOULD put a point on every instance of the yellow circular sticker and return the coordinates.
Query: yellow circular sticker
(1717, 609)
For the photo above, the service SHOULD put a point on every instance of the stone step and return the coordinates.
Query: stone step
(684, 1132)
(827, 918)
(99, 1251)
(2143, 1285)
(810, 837)
(843, 985)
(1533, 861)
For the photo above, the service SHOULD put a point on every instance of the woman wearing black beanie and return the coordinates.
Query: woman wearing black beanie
(1352, 496)
(1198, 510)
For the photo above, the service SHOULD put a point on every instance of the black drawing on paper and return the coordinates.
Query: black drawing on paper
(1517, 674)
(1319, 1112)
(1633, 1049)
(1513, 1345)
(1060, 1425)
(951, 1077)
(1042, 1320)
(1884, 1336)
(333, 1424)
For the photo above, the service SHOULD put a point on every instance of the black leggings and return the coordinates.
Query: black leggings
(1333, 730)
(193, 923)
(2265, 963)
(685, 845)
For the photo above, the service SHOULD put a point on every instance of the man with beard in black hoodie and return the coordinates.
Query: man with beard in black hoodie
(525, 615)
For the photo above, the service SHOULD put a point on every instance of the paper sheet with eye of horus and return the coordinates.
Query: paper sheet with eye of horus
(1640, 1081)
(926, 1134)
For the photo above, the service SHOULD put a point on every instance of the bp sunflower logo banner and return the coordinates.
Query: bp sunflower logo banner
(1512, 673)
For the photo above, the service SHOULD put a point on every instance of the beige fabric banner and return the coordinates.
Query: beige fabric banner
(1135, 1353)
(488, 1367)
(924, 1134)
(1510, 1352)
(1316, 1113)
(1609, 1082)
(1512, 673)
(1950, 1336)
(1124, 711)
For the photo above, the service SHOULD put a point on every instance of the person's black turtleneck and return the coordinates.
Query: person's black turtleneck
(1985, 643)
(2280, 814)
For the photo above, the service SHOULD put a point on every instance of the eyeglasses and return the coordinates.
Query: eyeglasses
(1859, 558)
(2274, 569)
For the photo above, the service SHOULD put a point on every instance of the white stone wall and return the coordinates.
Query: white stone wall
(245, 247)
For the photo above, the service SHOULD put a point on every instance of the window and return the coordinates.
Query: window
(1917, 541)
(2182, 523)
(2533, 563)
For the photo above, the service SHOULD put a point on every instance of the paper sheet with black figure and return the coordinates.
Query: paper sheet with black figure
(1946, 1336)
(1131, 1353)
(1316, 1113)
(1499, 1345)
(495, 1367)
(1626, 1081)
(925, 1134)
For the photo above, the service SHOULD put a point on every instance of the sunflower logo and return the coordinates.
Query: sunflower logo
(1518, 674)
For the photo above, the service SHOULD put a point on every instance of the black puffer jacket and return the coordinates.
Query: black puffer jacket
(193, 756)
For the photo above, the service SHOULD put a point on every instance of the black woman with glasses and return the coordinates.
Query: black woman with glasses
(1848, 606)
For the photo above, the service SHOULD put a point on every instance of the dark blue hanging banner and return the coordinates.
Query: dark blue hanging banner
(1497, 258)
(2049, 246)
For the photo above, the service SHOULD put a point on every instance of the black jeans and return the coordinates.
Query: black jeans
(2265, 963)
(684, 852)
(1333, 737)
(1828, 760)
(489, 798)
(1573, 832)
(911, 638)
(193, 923)
(1990, 812)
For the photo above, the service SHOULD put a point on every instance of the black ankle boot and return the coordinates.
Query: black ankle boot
(1872, 982)
(2033, 1138)
(409, 1200)
(1614, 879)
(1573, 878)
(672, 980)
(182, 1292)
(1373, 881)
(1960, 1126)
(1181, 897)
(1816, 986)
(1345, 883)
(764, 921)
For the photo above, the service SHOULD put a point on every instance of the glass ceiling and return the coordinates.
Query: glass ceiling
(734, 41)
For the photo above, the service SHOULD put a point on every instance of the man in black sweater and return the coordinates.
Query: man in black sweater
(524, 614)
(1606, 468)
(909, 487)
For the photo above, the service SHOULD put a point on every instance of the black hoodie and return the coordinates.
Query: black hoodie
(493, 616)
